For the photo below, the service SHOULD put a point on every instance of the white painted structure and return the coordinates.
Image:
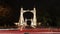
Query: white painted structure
(22, 21)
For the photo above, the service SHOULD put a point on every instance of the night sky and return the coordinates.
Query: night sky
(47, 8)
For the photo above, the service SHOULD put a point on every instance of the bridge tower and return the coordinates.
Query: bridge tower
(33, 21)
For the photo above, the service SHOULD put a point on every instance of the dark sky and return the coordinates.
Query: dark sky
(39, 4)
(47, 8)
(42, 6)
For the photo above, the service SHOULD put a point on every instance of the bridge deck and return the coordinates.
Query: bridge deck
(31, 31)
